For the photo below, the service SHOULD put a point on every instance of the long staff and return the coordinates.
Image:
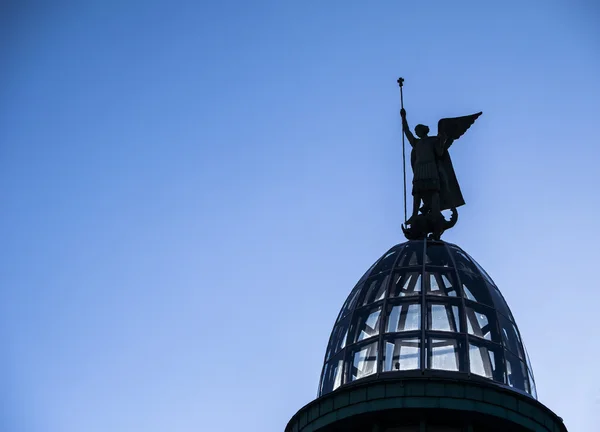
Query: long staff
(400, 82)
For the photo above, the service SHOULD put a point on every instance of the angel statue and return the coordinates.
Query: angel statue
(434, 182)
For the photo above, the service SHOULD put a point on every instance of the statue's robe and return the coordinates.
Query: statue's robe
(430, 177)
(450, 193)
(449, 189)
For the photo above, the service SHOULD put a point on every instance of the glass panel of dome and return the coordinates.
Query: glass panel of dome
(459, 254)
(386, 262)
(364, 361)
(350, 301)
(528, 361)
(406, 283)
(468, 294)
(376, 288)
(510, 336)
(440, 283)
(368, 272)
(338, 338)
(368, 324)
(532, 386)
(481, 270)
(436, 254)
(402, 354)
(500, 303)
(404, 317)
(483, 362)
(332, 376)
(443, 317)
(412, 255)
(474, 285)
(482, 324)
(444, 354)
(515, 372)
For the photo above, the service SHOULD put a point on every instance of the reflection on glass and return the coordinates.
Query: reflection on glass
(499, 302)
(440, 284)
(404, 317)
(510, 336)
(350, 301)
(338, 339)
(481, 270)
(475, 288)
(515, 372)
(402, 354)
(529, 368)
(481, 325)
(444, 317)
(406, 284)
(364, 361)
(367, 273)
(376, 289)
(368, 325)
(412, 255)
(386, 262)
(332, 376)
(483, 361)
(474, 284)
(444, 354)
(532, 386)
(468, 293)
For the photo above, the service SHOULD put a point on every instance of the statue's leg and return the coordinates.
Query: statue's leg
(426, 199)
(416, 205)
(435, 203)
(436, 216)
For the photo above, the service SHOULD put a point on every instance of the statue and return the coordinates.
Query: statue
(432, 224)
(434, 182)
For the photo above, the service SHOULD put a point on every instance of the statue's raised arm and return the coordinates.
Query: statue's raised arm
(450, 129)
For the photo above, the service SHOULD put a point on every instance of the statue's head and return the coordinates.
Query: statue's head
(421, 130)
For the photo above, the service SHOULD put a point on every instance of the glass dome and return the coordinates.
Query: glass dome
(426, 308)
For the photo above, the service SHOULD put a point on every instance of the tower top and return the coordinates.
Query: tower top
(426, 309)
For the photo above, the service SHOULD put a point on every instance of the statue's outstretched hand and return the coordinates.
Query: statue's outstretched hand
(403, 113)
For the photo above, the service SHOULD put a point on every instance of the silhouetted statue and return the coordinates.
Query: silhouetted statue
(434, 182)
(433, 224)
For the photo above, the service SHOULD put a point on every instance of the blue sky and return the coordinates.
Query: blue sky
(189, 191)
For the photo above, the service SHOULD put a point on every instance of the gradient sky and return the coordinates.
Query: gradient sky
(190, 190)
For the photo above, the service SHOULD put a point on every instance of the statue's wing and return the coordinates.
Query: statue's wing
(451, 129)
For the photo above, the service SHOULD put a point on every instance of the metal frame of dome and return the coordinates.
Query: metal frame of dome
(467, 332)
